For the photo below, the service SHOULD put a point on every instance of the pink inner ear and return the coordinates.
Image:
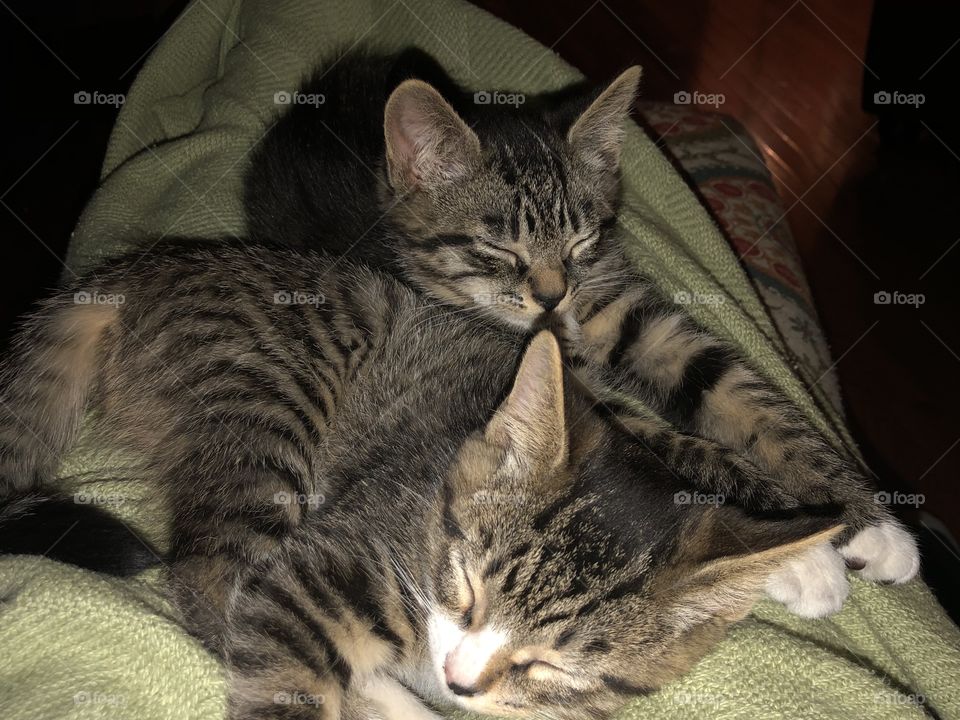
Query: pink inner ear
(408, 142)
(427, 140)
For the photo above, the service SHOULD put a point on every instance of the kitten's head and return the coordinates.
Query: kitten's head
(512, 215)
(570, 578)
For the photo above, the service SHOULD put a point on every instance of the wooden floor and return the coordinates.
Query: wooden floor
(864, 220)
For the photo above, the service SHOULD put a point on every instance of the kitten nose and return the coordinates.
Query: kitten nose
(548, 301)
(548, 286)
(461, 690)
(449, 672)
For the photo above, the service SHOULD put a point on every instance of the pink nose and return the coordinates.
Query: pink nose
(450, 675)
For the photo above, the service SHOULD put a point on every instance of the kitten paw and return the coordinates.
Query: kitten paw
(883, 553)
(569, 332)
(813, 585)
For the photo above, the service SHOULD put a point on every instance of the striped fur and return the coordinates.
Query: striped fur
(447, 507)
(510, 214)
(524, 531)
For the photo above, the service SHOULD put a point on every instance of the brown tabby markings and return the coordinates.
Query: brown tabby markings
(440, 525)
(492, 217)
(503, 544)
(481, 562)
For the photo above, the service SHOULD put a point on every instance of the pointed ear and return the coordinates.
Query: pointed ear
(725, 559)
(598, 133)
(530, 424)
(427, 142)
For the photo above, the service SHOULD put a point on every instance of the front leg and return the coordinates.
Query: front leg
(706, 388)
(311, 636)
(280, 650)
(284, 677)
(708, 466)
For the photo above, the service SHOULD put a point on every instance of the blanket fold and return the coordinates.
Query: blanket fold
(76, 645)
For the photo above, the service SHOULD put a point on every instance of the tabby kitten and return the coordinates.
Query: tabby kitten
(367, 544)
(523, 570)
(511, 214)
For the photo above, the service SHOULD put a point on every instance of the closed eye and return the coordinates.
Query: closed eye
(467, 619)
(471, 596)
(498, 252)
(535, 666)
(579, 246)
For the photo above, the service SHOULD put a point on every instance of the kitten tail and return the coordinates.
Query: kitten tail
(45, 385)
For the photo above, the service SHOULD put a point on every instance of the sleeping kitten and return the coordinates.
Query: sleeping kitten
(359, 517)
(523, 570)
(510, 214)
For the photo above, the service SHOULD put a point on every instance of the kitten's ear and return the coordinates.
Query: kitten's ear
(530, 424)
(427, 142)
(726, 558)
(598, 133)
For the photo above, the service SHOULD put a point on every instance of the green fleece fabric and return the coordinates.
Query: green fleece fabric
(76, 645)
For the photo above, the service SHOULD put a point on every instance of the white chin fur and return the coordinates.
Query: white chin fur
(444, 635)
(889, 552)
(813, 585)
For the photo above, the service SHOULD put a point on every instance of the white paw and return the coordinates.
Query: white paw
(813, 585)
(887, 552)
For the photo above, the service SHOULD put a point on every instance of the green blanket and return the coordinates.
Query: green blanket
(73, 644)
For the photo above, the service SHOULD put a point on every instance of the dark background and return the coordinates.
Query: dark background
(872, 190)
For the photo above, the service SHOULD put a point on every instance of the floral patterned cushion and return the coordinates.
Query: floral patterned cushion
(724, 166)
